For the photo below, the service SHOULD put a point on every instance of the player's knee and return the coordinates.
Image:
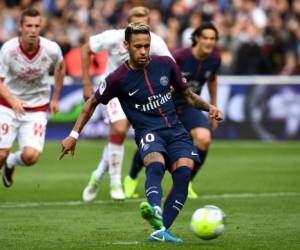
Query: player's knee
(30, 158)
(182, 175)
(119, 131)
(202, 140)
(119, 128)
(3, 155)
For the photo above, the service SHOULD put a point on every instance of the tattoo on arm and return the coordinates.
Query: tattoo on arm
(195, 100)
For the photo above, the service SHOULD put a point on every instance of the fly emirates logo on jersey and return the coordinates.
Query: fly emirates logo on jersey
(154, 102)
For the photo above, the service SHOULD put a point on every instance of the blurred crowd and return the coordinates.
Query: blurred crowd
(257, 37)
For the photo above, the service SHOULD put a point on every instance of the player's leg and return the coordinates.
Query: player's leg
(152, 150)
(130, 181)
(8, 132)
(202, 140)
(198, 128)
(181, 156)
(31, 139)
(181, 174)
(91, 189)
(8, 174)
(118, 131)
(155, 170)
(115, 147)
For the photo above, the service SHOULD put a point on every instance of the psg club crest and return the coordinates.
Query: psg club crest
(164, 81)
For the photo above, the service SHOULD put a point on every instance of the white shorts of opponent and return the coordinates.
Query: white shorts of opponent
(29, 129)
(113, 111)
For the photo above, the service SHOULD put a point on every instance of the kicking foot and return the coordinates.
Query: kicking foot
(163, 235)
(152, 214)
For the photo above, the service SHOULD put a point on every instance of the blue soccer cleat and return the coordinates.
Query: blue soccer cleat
(152, 214)
(164, 235)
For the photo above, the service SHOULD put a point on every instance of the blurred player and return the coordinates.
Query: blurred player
(199, 64)
(113, 153)
(142, 85)
(25, 63)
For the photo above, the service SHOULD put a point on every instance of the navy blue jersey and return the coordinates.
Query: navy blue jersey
(197, 72)
(145, 93)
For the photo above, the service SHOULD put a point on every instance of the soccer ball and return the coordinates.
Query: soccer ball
(208, 222)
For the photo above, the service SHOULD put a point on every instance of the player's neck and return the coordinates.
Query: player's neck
(29, 48)
(198, 53)
(134, 66)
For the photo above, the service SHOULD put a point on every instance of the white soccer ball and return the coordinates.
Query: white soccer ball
(208, 222)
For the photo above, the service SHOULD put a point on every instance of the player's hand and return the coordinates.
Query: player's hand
(54, 106)
(18, 107)
(213, 124)
(215, 113)
(88, 91)
(67, 145)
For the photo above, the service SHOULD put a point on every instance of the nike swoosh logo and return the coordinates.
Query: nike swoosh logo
(193, 153)
(132, 93)
(159, 239)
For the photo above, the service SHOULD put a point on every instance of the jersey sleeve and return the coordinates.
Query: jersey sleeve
(158, 47)
(108, 88)
(106, 40)
(3, 64)
(56, 55)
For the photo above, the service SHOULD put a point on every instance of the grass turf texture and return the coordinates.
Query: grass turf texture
(262, 208)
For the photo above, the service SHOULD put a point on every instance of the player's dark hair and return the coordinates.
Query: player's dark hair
(204, 26)
(136, 28)
(29, 12)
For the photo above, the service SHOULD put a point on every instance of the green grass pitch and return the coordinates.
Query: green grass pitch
(256, 184)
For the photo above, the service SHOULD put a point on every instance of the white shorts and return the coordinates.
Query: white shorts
(113, 111)
(30, 129)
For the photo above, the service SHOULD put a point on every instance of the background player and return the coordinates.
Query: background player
(25, 63)
(199, 64)
(143, 88)
(113, 153)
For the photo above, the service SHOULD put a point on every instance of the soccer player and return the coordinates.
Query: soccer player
(113, 153)
(199, 64)
(142, 85)
(25, 62)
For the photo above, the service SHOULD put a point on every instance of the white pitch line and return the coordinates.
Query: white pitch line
(248, 195)
(122, 243)
(203, 197)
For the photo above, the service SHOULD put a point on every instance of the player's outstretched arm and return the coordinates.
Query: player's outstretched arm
(197, 102)
(86, 52)
(69, 143)
(212, 90)
(59, 80)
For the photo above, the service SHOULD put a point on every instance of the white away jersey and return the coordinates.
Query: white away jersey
(112, 41)
(28, 79)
